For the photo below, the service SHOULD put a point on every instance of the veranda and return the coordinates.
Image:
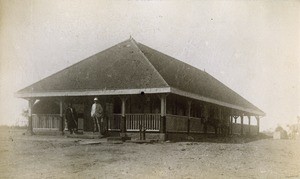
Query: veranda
(159, 114)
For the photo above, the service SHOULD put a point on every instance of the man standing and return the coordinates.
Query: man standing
(71, 117)
(97, 115)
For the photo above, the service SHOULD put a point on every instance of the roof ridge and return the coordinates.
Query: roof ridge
(136, 45)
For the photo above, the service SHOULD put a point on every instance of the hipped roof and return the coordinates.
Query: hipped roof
(131, 68)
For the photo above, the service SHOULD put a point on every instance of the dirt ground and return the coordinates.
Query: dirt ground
(24, 156)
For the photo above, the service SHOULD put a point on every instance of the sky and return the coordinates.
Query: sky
(253, 47)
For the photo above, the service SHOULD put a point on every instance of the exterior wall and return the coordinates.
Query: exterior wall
(46, 106)
(176, 105)
(143, 104)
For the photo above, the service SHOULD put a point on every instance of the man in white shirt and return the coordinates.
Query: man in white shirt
(97, 115)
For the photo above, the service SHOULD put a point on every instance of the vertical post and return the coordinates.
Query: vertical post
(30, 127)
(257, 119)
(163, 104)
(217, 121)
(206, 115)
(162, 113)
(61, 116)
(123, 116)
(189, 115)
(231, 120)
(242, 124)
(249, 123)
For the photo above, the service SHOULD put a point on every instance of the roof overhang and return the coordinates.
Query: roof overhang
(93, 92)
(136, 91)
(214, 101)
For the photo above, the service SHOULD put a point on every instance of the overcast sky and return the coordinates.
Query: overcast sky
(251, 46)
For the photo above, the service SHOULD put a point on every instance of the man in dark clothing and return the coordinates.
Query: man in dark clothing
(71, 117)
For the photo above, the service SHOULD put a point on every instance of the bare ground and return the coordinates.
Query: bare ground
(24, 156)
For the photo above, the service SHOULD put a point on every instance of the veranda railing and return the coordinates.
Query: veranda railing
(46, 121)
(151, 122)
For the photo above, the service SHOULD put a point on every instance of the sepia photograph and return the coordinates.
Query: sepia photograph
(149, 89)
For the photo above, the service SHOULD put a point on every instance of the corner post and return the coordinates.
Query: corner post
(61, 109)
(231, 120)
(30, 126)
(163, 105)
(257, 119)
(242, 124)
(249, 123)
(123, 115)
(206, 117)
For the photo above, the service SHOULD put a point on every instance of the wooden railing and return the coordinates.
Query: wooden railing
(247, 129)
(176, 123)
(149, 121)
(46, 121)
(185, 124)
(196, 125)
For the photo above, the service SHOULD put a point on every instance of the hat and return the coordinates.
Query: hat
(95, 99)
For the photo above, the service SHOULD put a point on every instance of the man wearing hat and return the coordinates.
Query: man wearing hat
(97, 115)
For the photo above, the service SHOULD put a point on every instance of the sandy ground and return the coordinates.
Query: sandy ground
(24, 156)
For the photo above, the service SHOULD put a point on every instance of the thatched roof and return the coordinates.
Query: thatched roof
(130, 68)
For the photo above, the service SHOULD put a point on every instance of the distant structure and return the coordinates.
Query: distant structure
(140, 87)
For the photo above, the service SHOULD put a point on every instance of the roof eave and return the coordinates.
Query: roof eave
(92, 92)
(214, 101)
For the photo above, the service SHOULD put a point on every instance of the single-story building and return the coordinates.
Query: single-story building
(139, 86)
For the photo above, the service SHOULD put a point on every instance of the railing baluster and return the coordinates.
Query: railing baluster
(149, 122)
(134, 121)
(129, 121)
(52, 122)
(145, 121)
(139, 121)
(47, 121)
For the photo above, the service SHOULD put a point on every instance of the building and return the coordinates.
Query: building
(139, 86)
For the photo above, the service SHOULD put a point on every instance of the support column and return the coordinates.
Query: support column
(163, 105)
(30, 127)
(217, 121)
(123, 114)
(242, 124)
(189, 115)
(235, 118)
(230, 124)
(249, 123)
(257, 119)
(206, 115)
(61, 109)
